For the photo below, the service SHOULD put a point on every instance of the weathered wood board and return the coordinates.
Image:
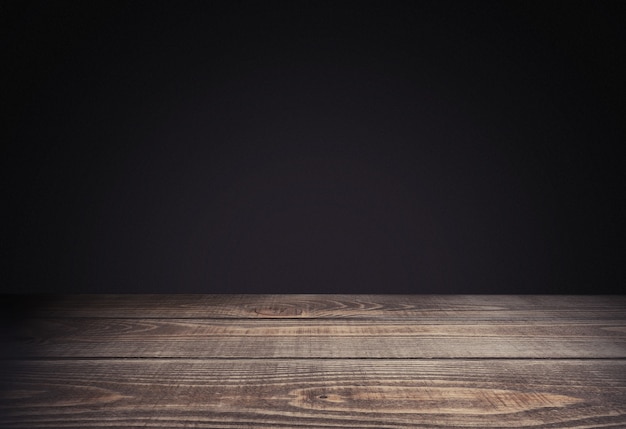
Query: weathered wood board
(313, 339)
(314, 393)
(404, 307)
(315, 361)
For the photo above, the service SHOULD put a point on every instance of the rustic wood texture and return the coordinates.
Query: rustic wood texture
(310, 393)
(80, 338)
(404, 307)
(315, 361)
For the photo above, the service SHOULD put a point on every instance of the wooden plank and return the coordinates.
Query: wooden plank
(419, 307)
(133, 329)
(241, 361)
(313, 394)
(312, 339)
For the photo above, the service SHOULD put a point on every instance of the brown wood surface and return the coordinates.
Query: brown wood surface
(314, 339)
(315, 361)
(404, 307)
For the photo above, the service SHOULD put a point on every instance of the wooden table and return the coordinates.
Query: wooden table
(315, 361)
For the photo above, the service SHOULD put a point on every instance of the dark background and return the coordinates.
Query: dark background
(426, 147)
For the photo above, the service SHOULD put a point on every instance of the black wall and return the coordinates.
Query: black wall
(423, 147)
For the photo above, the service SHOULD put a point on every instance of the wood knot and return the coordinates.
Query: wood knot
(425, 400)
(279, 311)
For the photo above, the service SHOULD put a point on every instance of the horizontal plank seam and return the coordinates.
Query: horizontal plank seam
(200, 358)
(393, 319)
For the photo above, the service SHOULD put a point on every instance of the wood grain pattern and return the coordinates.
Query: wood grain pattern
(305, 393)
(314, 361)
(404, 307)
(313, 339)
